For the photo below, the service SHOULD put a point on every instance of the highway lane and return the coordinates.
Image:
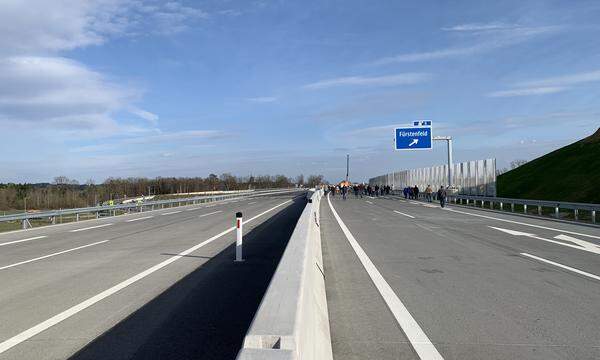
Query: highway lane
(36, 292)
(464, 282)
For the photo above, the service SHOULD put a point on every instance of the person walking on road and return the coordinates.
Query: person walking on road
(428, 192)
(442, 196)
(344, 192)
(416, 192)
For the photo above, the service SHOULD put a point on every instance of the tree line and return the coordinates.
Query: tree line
(65, 193)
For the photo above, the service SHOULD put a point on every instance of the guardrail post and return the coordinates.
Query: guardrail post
(512, 207)
(54, 220)
(24, 221)
(77, 217)
(556, 212)
(540, 210)
(524, 208)
(594, 216)
(501, 206)
(239, 239)
(97, 215)
(576, 214)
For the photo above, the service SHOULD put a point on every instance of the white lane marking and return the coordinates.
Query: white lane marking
(142, 218)
(415, 203)
(525, 224)
(369, 202)
(581, 272)
(192, 209)
(23, 240)
(210, 205)
(586, 244)
(430, 206)
(91, 227)
(417, 337)
(401, 213)
(253, 202)
(212, 213)
(533, 236)
(370, 197)
(31, 332)
(171, 212)
(51, 255)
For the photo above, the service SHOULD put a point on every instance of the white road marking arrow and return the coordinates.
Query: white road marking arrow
(414, 142)
(586, 244)
(589, 247)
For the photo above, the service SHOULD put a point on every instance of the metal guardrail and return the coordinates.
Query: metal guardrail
(539, 204)
(140, 207)
(503, 204)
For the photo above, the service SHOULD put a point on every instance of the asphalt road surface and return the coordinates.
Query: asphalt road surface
(409, 280)
(158, 284)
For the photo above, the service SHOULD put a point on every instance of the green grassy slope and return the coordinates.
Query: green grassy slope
(571, 173)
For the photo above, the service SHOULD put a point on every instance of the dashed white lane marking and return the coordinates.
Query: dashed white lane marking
(171, 212)
(369, 202)
(522, 223)
(23, 240)
(192, 209)
(91, 227)
(51, 255)
(581, 272)
(417, 337)
(142, 218)
(401, 213)
(31, 332)
(253, 202)
(212, 213)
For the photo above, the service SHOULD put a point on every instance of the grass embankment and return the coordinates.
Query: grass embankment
(571, 173)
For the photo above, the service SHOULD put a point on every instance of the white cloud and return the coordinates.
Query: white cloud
(262, 99)
(388, 80)
(481, 27)
(527, 91)
(53, 89)
(146, 115)
(38, 85)
(40, 26)
(493, 40)
(564, 80)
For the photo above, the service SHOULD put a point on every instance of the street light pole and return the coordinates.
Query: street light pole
(347, 166)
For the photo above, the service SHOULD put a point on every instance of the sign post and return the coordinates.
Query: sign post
(416, 137)
(238, 242)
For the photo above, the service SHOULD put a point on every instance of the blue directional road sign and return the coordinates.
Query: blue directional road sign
(416, 137)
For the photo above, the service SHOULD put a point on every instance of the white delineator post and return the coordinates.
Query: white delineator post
(238, 243)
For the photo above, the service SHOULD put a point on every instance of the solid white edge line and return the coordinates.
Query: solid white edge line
(138, 219)
(91, 227)
(401, 213)
(23, 240)
(581, 272)
(212, 213)
(51, 255)
(171, 212)
(522, 223)
(416, 336)
(369, 202)
(31, 332)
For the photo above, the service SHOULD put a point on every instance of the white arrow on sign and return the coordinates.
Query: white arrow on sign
(581, 245)
(414, 142)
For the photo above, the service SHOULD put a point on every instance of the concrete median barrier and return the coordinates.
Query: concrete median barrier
(292, 321)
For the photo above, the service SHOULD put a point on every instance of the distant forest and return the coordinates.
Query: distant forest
(66, 193)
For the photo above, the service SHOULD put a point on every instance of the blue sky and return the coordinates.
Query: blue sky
(92, 89)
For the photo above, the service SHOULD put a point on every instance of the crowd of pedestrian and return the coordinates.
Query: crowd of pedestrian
(360, 190)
